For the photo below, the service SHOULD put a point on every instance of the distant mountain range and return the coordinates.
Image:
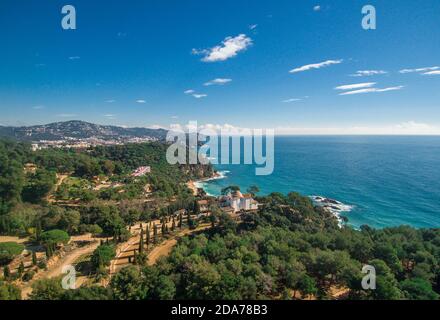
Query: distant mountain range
(78, 130)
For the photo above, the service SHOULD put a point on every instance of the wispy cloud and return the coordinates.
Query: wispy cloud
(110, 101)
(356, 86)
(199, 95)
(316, 66)
(218, 81)
(419, 70)
(292, 100)
(371, 90)
(431, 73)
(317, 8)
(229, 48)
(253, 26)
(368, 73)
(39, 107)
(110, 116)
(74, 58)
(405, 128)
(141, 101)
(193, 93)
(66, 115)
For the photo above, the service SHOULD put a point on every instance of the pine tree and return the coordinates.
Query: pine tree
(34, 258)
(163, 229)
(173, 225)
(180, 221)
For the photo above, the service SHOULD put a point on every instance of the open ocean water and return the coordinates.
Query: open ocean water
(381, 181)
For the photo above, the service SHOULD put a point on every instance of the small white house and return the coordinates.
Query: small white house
(239, 202)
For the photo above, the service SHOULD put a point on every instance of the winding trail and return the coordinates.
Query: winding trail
(55, 270)
(163, 249)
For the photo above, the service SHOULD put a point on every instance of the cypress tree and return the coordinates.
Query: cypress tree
(180, 221)
(6, 272)
(155, 234)
(20, 269)
(34, 258)
(163, 229)
(148, 236)
(173, 225)
(141, 242)
(38, 231)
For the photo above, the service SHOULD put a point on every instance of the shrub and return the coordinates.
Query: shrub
(8, 250)
(28, 276)
(55, 237)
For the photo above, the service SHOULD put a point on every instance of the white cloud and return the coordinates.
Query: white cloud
(66, 115)
(370, 90)
(367, 73)
(194, 94)
(110, 101)
(141, 101)
(317, 8)
(405, 128)
(316, 66)
(431, 73)
(39, 107)
(253, 26)
(74, 58)
(156, 127)
(110, 116)
(292, 100)
(419, 69)
(218, 81)
(356, 86)
(199, 95)
(229, 48)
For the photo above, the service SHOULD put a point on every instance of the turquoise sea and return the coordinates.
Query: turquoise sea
(382, 181)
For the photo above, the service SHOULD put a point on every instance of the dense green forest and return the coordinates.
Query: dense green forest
(23, 195)
(289, 249)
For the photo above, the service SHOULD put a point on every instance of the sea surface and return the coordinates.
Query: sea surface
(380, 181)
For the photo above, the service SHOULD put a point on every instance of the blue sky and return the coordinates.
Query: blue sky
(130, 63)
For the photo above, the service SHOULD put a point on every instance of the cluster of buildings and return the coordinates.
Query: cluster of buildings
(236, 201)
(141, 171)
(72, 143)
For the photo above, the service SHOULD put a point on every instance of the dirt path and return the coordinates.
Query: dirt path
(56, 269)
(61, 178)
(127, 249)
(165, 248)
(13, 239)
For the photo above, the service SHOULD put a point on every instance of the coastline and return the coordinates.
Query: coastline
(194, 186)
(335, 207)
